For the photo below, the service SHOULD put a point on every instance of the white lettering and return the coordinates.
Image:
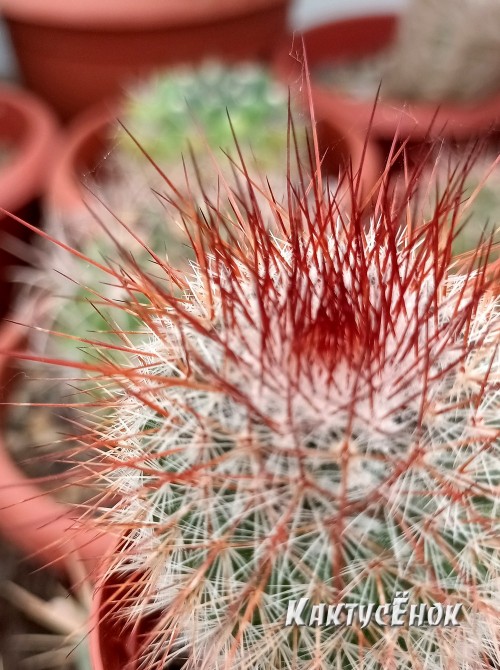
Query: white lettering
(294, 614)
(317, 615)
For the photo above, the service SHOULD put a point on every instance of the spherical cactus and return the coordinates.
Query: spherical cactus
(446, 51)
(306, 443)
(314, 423)
(187, 107)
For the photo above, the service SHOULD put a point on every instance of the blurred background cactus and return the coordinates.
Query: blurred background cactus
(176, 111)
(446, 50)
(430, 52)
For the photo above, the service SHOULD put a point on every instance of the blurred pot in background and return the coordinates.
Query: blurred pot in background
(76, 53)
(28, 141)
(350, 58)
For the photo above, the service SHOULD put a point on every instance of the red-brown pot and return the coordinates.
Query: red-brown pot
(47, 531)
(88, 136)
(114, 643)
(354, 38)
(75, 53)
(29, 129)
(30, 518)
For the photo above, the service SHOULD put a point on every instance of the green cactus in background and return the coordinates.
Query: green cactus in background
(189, 107)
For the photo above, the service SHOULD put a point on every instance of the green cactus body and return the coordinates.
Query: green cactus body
(188, 109)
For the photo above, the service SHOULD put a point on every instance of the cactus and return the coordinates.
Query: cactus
(443, 51)
(188, 108)
(313, 422)
(317, 417)
(446, 50)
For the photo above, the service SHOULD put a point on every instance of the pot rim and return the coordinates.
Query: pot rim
(64, 190)
(391, 116)
(25, 175)
(130, 14)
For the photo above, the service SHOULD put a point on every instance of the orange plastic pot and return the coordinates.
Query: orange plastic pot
(30, 134)
(77, 53)
(355, 38)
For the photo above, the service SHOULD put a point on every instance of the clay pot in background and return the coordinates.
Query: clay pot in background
(356, 38)
(30, 518)
(31, 138)
(76, 53)
(47, 531)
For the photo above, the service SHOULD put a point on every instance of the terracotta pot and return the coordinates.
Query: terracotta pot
(85, 143)
(30, 518)
(44, 529)
(114, 643)
(88, 137)
(30, 132)
(76, 53)
(356, 38)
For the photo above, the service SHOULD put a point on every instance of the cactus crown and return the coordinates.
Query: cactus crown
(316, 417)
